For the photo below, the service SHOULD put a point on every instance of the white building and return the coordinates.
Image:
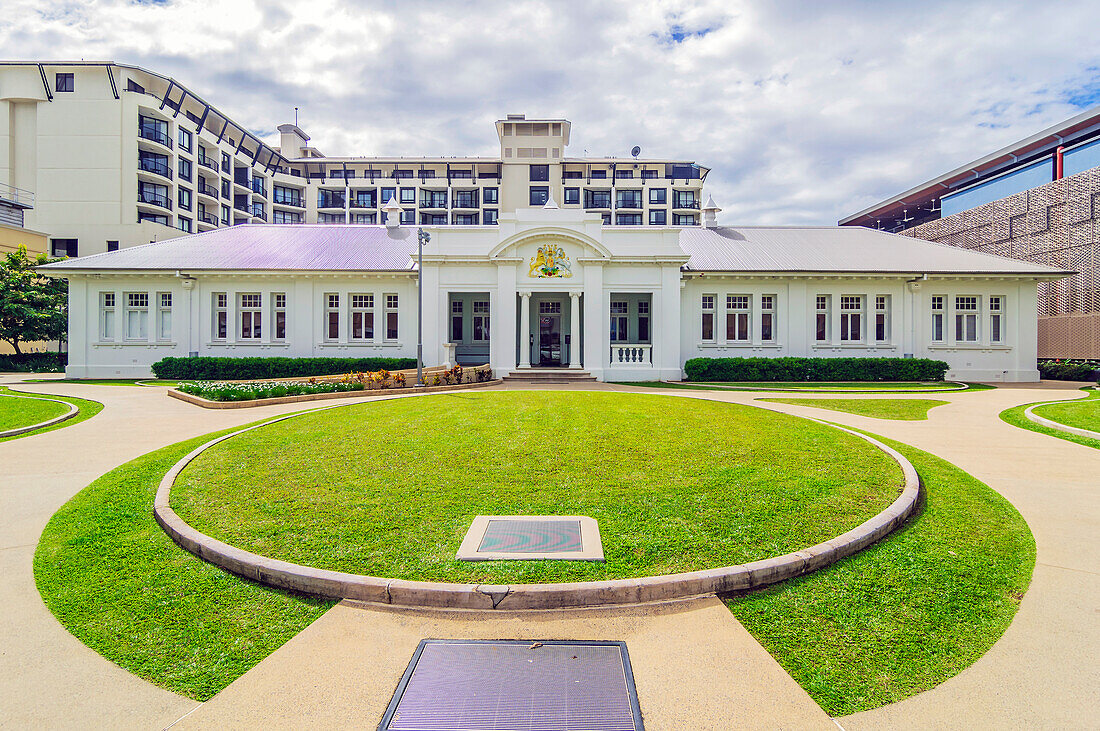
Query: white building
(117, 155)
(553, 287)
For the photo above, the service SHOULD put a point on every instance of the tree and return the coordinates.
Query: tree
(33, 307)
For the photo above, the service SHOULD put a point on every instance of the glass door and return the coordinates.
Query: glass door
(549, 340)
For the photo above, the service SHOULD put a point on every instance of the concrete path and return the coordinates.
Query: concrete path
(1042, 673)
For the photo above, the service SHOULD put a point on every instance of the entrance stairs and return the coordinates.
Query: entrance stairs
(549, 375)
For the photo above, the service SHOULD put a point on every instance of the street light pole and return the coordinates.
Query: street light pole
(422, 237)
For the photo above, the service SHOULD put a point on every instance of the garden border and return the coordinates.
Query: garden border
(401, 592)
(208, 404)
(1057, 425)
(73, 411)
(960, 386)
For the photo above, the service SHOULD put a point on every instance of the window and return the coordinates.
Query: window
(966, 319)
(684, 199)
(540, 172)
(184, 139)
(658, 196)
(851, 318)
(882, 318)
(408, 217)
(658, 217)
(643, 321)
(737, 317)
(112, 246)
(154, 195)
(436, 199)
(628, 219)
(606, 219)
(225, 215)
(278, 216)
(462, 199)
(221, 315)
(489, 216)
(708, 318)
(184, 169)
(597, 174)
(649, 174)
(63, 247)
(153, 218)
(225, 189)
(597, 198)
(481, 321)
(822, 317)
(456, 321)
(767, 318)
(360, 218)
(408, 195)
(937, 318)
(293, 197)
(331, 218)
(227, 164)
(572, 196)
(164, 315)
(684, 219)
(250, 316)
(137, 315)
(619, 330)
(184, 198)
(64, 82)
(435, 219)
(996, 319)
(106, 315)
(391, 317)
(278, 317)
(332, 316)
(152, 162)
(388, 194)
(539, 195)
(628, 199)
(362, 317)
(490, 195)
(624, 173)
(549, 308)
(183, 224)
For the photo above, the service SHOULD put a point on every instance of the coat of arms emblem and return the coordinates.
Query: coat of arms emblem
(550, 261)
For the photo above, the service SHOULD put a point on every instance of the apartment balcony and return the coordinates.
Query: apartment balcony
(631, 203)
(258, 187)
(331, 201)
(291, 201)
(685, 205)
(152, 133)
(362, 203)
(243, 208)
(206, 190)
(151, 198)
(438, 203)
(208, 163)
(242, 181)
(259, 212)
(156, 167)
(16, 197)
(205, 219)
(465, 203)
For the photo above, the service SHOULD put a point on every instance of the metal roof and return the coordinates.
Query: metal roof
(264, 247)
(1038, 143)
(840, 249)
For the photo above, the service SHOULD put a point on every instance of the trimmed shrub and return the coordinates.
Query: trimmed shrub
(247, 369)
(815, 369)
(1059, 370)
(34, 362)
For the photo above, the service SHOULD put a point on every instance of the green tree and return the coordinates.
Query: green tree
(33, 307)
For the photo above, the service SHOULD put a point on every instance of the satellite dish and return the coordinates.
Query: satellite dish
(635, 151)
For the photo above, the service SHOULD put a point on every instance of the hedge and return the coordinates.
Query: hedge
(815, 369)
(1067, 371)
(247, 369)
(34, 362)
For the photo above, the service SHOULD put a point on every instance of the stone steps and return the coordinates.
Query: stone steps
(549, 375)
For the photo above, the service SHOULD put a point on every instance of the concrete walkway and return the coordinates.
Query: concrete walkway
(1042, 674)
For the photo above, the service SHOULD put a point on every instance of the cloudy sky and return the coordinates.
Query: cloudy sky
(806, 111)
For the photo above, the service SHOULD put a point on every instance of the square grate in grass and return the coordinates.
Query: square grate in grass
(517, 537)
(514, 685)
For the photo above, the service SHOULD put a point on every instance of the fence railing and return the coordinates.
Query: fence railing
(636, 354)
(16, 196)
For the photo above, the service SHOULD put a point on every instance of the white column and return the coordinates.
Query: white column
(574, 329)
(595, 321)
(525, 331)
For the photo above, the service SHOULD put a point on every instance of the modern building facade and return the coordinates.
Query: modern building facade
(1037, 200)
(553, 287)
(118, 156)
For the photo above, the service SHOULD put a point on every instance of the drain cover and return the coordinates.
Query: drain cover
(497, 537)
(514, 685)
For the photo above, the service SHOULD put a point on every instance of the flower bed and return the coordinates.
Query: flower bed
(355, 381)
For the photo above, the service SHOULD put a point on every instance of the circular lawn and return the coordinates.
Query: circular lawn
(389, 488)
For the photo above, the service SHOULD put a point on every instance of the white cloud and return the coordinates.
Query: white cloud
(805, 111)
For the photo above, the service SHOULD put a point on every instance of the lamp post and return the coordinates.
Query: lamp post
(422, 237)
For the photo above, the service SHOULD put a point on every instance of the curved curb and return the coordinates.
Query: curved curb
(73, 411)
(276, 400)
(1058, 426)
(960, 386)
(645, 590)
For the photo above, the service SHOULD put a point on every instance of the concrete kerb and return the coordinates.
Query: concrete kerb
(1051, 424)
(645, 590)
(73, 411)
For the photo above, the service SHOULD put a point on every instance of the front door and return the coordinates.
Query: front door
(549, 340)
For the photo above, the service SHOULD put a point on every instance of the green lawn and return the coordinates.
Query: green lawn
(914, 409)
(390, 488)
(909, 612)
(816, 386)
(88, 409)
(105, 381)
(18, 411)
(1082, 411)
(115, 580)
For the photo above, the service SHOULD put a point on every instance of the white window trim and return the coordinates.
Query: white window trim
(257, 317)
(161, 312)
(758, 333)
(126, 321)
(214, 310)
(747, 311)
(353, 310)
(387, 309)
(275, 310)
(827, 311)
(108, 334)
(713, 312)
(327, 309)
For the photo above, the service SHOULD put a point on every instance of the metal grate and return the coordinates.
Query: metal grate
(531, 536)
(514, 685)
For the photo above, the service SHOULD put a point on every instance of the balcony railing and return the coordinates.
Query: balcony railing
(258, 212)
(434, 202)
(632, 355)
(151, 165)
(258, 187)
(362, 203)
(465, 201)
(16, 196)
(330, 201)
(208, 219)
(207, 190)
(686, 204)
(290, 200)
(154, 199)
(629, 202)
(242, 207)
(207, 163)
(154, 134)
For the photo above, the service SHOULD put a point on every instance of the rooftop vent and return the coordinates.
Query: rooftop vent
(517, 116)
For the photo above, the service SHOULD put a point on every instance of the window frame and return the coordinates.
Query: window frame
(823, 310)
(142, 310)
(542, 191)
(767, 318)
(882, 318)
(995, 304)
(481, 321)
(64, 82)
(250, 311)
(361, 307)
(164, 316)
(739, 315)
(278, 316)
(852, 319)
(107, 316)
(937, 307)
(392, 302)
(457, 319)
(966, 316)
(331, 301)
(707, 315)
(619, 327)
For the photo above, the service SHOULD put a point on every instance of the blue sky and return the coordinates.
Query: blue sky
(806, 111)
